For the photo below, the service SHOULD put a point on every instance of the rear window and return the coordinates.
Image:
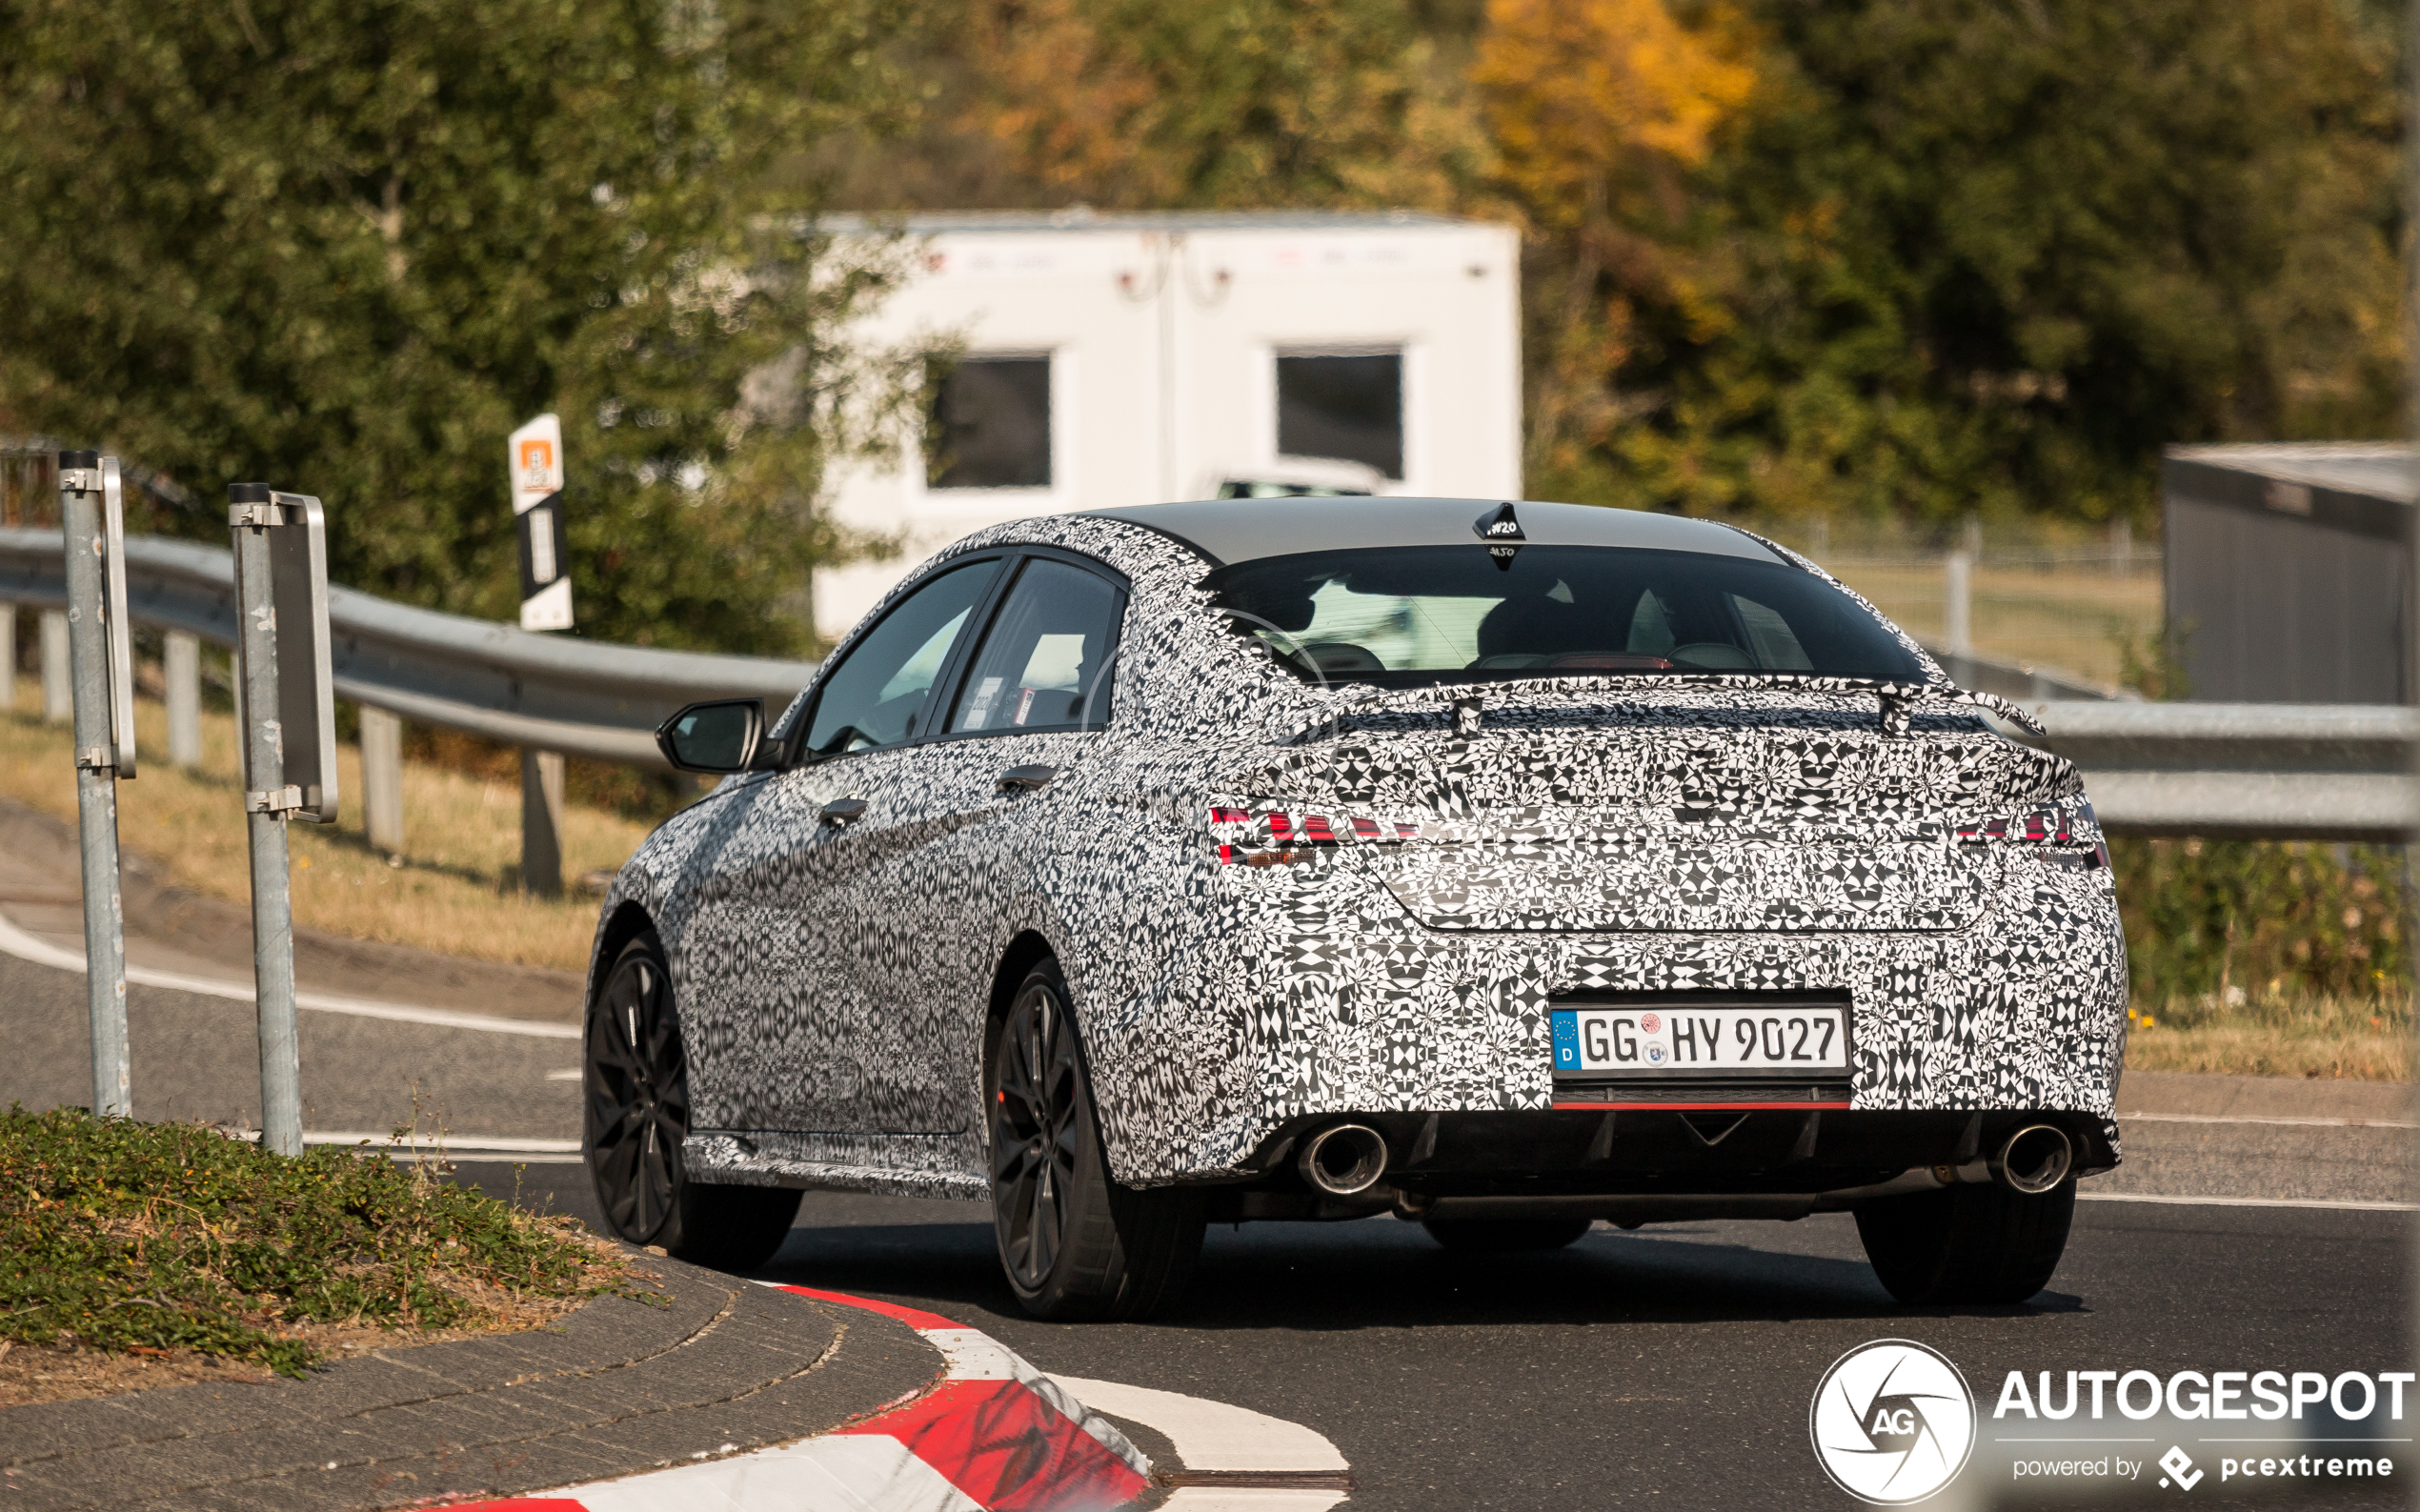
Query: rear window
(1407, 616)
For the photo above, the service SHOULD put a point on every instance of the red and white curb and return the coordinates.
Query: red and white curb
(995, 1434)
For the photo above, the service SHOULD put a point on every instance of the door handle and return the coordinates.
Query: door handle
(840, 810)
(1028, 777)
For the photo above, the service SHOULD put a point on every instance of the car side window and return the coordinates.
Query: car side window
(876, 696)
(1044, 665)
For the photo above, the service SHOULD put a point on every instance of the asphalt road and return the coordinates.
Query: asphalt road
(1670, 1367)
(197, 1056)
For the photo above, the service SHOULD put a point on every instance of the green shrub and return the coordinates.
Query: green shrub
(171, 1236)
(2229, 921)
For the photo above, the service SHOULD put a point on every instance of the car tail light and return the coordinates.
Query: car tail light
(2067, 837)
(1272, 836)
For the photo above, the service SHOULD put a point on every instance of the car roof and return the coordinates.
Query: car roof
(1230, 531)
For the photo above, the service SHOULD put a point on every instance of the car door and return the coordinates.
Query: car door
(1029, 713)
(785, 1028)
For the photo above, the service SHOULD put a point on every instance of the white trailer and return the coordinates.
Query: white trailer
(1118, 359)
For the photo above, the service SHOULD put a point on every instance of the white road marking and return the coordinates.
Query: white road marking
(474, 1147)
(1250, 1499)
(2253, 1202)
(2299, 1123)
(1217, 1436)
(573, 1074)
(15, 941)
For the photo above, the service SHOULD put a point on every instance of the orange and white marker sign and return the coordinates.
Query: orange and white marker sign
(534, 463)
(538, 461)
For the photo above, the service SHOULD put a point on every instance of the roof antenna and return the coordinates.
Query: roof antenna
(1501, 524)
(1501, 530)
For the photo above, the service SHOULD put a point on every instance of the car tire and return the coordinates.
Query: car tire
(1970, 1242)
(634, 1114)
(1074, 1244)
(1506, 1236)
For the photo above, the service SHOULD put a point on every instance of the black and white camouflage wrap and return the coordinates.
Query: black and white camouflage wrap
(1514, 841)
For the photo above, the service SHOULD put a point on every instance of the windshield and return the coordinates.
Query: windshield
(1414, 615)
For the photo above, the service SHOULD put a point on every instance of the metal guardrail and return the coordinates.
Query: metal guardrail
(2243, 770)
(546, 693)
(2332, 771)
(2022, 684)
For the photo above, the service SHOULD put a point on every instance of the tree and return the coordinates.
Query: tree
(1984, 256)
(347, 247)
(1601, 110)
(1250, 102)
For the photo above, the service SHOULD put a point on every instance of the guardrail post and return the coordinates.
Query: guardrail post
(58, 688)
(181, 661)
(1957, 631)
(98, 759)
(382, 780)
(543, 823)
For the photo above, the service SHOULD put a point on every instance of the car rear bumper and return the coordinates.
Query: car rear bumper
(1647, 1166)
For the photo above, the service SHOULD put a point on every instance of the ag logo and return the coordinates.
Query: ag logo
(1893, 1421)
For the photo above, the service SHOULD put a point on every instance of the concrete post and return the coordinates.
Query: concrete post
(7, 658)
(543, 823)
(96, 762)
(264, 776)
(58, 687)
(2121, 547)
(182, 663)
(1957, 628)
(382, 780)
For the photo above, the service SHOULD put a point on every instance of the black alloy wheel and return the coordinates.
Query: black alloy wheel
(1074, 1243)
(635, 1113)
(1972, 1243)
(1033, 1143)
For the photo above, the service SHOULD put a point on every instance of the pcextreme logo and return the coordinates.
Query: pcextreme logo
(1893, 1421)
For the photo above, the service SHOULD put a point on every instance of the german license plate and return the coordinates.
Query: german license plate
(1648, 1041)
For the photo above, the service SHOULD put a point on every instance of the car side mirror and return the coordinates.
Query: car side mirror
(721, 736)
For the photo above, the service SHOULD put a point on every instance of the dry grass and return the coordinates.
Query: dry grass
(2358, 1039)
(456, 889)
(2075, 619)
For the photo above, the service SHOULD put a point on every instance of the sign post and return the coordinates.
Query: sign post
(101, 662)
(537, 510)
(288, 745)
(534, 467)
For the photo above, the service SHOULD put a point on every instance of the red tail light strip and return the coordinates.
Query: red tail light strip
(2047, 827)
(2054, 829)
(1274, 828)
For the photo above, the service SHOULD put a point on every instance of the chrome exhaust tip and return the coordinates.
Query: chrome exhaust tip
(1343, 1160)
(2035, 1159)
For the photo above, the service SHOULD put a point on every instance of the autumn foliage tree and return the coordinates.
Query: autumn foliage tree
(1249, 103)
(1935, 257)
(1600, 112)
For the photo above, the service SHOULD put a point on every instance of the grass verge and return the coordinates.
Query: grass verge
(173, 1239)
(2275, 1035)
(455, 888)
